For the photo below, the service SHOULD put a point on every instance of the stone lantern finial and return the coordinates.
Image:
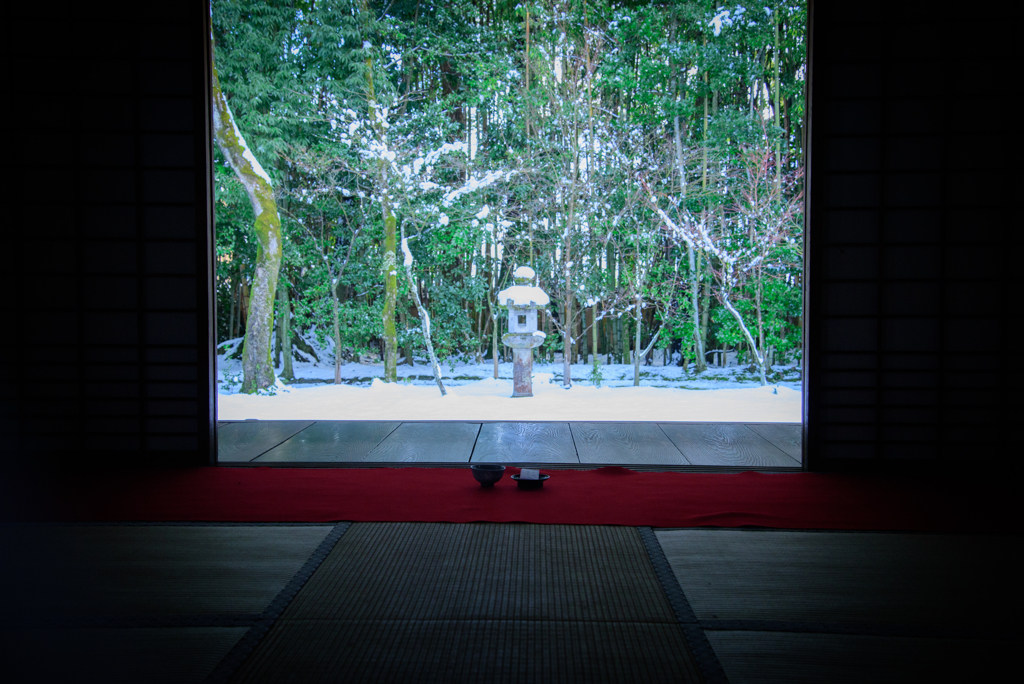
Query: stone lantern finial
(523, 275)
(523, 300)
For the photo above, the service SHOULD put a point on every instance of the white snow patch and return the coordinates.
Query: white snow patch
(491, 399)
(667, 393)
(246, 152)
(406, 252)
(523, 295)
(472, 185)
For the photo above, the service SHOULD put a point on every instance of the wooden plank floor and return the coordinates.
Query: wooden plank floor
(618, 443)
(786, 436)
(726, 444)
(733, 445)
(332, 440)
(525, 443)
(428, 442)
(246, 440)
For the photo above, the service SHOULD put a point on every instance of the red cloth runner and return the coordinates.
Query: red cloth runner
(605, 496)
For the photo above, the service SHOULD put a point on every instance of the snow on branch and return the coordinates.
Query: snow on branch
(474, 184)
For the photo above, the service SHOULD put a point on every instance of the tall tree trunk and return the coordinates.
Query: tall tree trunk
(424, 315)
(243, 307)
(390, 292)
(479, 356)
(485, 333)
(235, 287)
(636, 343)
(278, 332)
(567, 342)
(526, 91)
(567, 321)
(492, 310)
(623, 343)
(758, 356)
(495, 351)
(584, 350)
(758, 297)
(699, 330)
(694, 276)
(335, 310)
(704, 309)
(407, 349)
(704, 147)
(257, 366)
(287, 372)
(778, 95)
(613, 341)
(389, 349)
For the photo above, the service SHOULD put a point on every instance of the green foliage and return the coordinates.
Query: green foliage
(235, 244)
(596, 376)
(603, 80)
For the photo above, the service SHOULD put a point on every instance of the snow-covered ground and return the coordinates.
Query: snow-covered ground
(666, 393)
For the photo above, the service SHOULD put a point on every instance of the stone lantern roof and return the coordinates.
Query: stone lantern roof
(523, 295)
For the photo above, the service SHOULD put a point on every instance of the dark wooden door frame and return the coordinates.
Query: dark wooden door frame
(204, 182)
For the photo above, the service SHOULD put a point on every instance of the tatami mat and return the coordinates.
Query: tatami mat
(844, 577)
(435, 571)
(479, 602)
(485, 651)
(793, 658)
(488, 602)
(151, 570)
(175, 655)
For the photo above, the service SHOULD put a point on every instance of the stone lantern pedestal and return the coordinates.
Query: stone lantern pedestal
(523, 300)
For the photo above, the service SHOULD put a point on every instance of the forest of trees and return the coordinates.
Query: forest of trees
(381, 163)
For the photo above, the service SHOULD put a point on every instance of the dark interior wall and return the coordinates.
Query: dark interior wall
(106, 347)
(106, 353)
(912, 183)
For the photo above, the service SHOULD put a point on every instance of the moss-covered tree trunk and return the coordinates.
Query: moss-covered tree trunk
(390, 269)
(257, 365)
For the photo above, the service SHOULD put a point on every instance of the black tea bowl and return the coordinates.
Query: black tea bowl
(487, 473)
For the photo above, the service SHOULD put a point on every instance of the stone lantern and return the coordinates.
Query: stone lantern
(522, 300)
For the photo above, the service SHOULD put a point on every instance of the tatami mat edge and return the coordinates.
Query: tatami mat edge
(248, 643)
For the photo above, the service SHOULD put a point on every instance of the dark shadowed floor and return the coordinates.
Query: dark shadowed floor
(484, 602)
